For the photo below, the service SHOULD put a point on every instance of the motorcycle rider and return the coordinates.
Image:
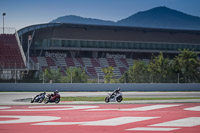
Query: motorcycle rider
(40, 95)
(44, 93)
(53, 96)
(115, 92)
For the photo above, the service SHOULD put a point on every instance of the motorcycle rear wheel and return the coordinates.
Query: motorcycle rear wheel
(119, 99)
(107, 99)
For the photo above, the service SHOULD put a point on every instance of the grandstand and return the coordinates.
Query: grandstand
(12, 59)
(93, 47)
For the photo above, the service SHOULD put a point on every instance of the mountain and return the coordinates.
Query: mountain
(162, 17)
(159, 17)
(81, 20)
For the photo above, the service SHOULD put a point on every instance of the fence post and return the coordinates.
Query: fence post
(15, 76)
(125, 78)
(71, 77)
(43, 77)
(98, 77)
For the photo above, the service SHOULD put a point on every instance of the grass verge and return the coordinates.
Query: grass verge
(124, 99)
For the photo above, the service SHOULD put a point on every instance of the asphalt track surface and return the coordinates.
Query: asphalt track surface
(7, 98)
(98, 118)
(180, 116)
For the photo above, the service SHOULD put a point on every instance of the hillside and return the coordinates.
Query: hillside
(159, 17)
(162, 17)
(81, 20)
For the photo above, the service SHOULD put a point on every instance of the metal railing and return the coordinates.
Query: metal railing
(7, 30)
(23, 77)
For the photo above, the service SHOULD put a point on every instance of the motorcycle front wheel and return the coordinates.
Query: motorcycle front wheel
(41, 100)
(46, 100)
(119, 99)
(107, 99)
(57, 100)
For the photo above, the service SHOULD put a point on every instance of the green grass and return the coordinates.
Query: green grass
(125, 99)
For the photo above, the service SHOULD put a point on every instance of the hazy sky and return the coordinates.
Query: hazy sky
(21, 13)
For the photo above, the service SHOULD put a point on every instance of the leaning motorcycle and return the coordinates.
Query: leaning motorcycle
(49, 99)
(38, 98)
(113, 98)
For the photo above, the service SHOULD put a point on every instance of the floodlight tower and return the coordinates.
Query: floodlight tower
(4, 14)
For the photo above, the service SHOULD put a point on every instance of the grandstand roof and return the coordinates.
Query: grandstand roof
(112, 33)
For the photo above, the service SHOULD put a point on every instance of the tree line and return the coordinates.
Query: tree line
(183, 68)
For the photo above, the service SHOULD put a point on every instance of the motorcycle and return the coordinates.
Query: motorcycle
(50, 98)
(38, 98)
(114, 97)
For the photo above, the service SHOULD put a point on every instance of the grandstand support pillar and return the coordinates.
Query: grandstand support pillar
(27, 64)
(29, 39)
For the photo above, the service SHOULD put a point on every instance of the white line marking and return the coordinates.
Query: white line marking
(196, 108)
(186, 122)
(3, 107)
(101, 109)
(106, 122)
(151, 107)
(26, 119)
(59, 123)
(145, 108)
(55, 108)
(152, 129)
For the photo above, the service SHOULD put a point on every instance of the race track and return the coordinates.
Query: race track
(98, 118)
(9, 97)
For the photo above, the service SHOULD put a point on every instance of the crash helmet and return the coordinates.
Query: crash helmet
(118, 89)
(55, 92)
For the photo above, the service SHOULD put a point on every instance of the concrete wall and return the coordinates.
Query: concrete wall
(97, 87)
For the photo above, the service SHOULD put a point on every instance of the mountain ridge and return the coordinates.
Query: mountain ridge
(158, 17)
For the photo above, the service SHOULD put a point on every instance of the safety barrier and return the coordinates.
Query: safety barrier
(98, 87)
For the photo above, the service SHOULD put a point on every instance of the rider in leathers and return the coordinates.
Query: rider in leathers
(115, 92)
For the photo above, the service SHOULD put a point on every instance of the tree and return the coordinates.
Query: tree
(125, 78)
(187, 65)
(160, 69)
(109, 75)
(75, 75)
(138, 73)
(54, 75)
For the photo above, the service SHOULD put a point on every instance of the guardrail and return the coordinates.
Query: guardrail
(29, 87)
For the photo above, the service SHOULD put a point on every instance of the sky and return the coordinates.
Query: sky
(22, 13)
